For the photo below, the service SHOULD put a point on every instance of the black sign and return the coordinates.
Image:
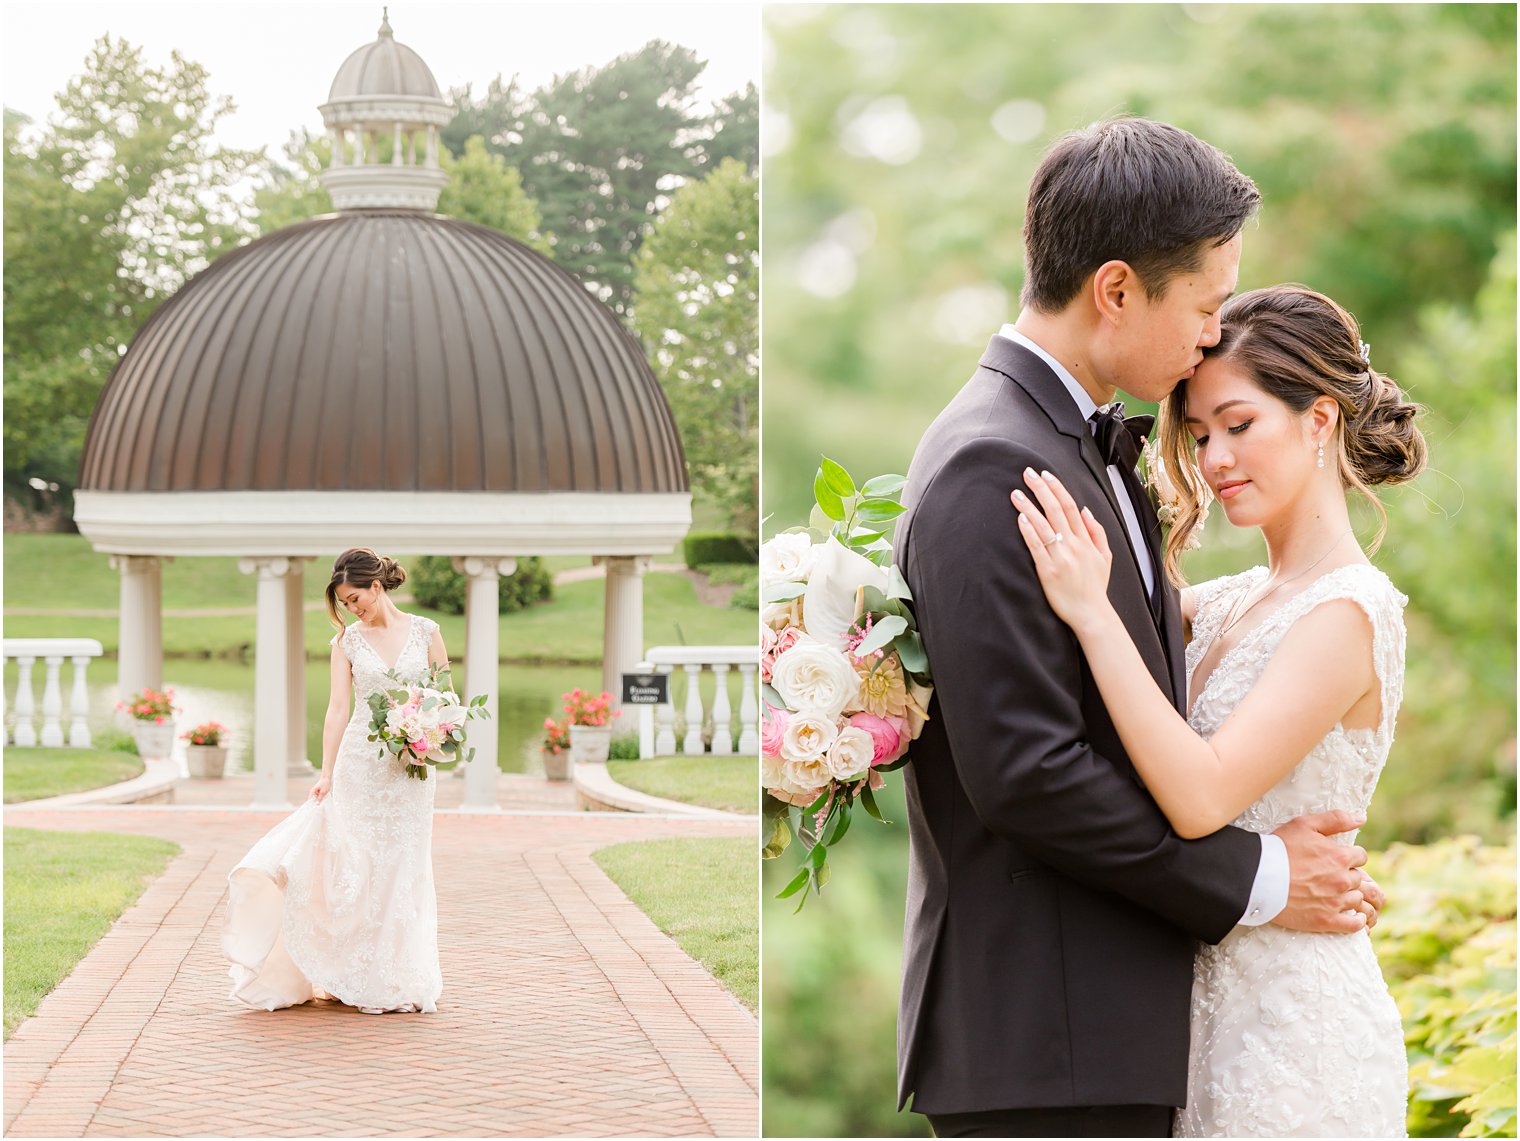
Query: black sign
(646, 689)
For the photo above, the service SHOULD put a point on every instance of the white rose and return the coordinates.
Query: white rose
(850, 754)
(807, 738)
(828, 606)
(813, 677)
(786, 558)
(773, 777)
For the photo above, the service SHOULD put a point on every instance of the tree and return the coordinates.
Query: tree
(600, 149)
(697, 310)
(293, 191)
(109, 207)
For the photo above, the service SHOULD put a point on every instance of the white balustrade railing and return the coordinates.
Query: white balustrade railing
(662, 729)
(53, 652)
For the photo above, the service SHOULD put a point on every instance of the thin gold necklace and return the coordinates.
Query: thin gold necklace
(1235, 618)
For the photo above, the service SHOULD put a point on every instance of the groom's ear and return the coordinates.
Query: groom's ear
(1113, 286)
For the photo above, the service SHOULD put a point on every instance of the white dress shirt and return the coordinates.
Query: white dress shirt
(1269, 892)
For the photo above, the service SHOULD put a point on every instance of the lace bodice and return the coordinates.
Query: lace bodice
(369, 669)
(1295, 1034)
(1342, 770)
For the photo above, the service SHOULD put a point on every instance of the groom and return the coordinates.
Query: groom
(1052, 914)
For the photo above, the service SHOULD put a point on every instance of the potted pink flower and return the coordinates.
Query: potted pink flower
(205, 755)
(590, 725)
(555, 749)
(152, 712)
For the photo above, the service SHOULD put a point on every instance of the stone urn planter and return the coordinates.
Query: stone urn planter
(589, 744)
(206, 762)
(154, 741)
(556, 765)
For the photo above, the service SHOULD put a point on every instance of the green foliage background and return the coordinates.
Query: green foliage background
(899, 144)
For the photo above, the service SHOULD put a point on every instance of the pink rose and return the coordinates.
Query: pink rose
(419, 747)
(773, 647)
(772, 730)
(889, 734)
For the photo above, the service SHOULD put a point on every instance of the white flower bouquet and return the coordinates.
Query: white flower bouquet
(422, 724)
(845, 679)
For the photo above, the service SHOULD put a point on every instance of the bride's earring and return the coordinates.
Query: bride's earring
(1320, 461)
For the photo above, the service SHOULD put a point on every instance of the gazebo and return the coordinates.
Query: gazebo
(388, 377)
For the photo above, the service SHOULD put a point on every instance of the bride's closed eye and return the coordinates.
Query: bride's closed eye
(1200, 441)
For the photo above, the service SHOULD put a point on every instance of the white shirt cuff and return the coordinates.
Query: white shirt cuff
(1269, 893)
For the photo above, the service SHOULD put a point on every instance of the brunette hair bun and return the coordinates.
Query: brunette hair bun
(1383, 446)
(392, 574)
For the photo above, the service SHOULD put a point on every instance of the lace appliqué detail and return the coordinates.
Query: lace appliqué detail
(359, 919)
(1293, 1034)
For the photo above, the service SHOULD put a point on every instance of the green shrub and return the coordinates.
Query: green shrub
(438, 586)
(114, 740)
(1446, 943)
(624, 747)
(747, 597)
(719, 547)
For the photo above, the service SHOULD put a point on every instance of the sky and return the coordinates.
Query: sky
(276, 60)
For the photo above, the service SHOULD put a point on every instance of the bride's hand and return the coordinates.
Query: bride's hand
(321, 788)
(1071, 553)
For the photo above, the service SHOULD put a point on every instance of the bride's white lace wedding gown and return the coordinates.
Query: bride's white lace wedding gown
(1293, 1034)
(337, 899)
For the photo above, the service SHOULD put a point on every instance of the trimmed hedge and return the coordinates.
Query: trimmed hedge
(719, 547)
(438, 586)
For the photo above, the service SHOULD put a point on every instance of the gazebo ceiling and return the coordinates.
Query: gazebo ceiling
(383, 351)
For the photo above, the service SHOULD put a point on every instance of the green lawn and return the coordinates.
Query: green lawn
(702, 893)
(62, 891)
(31, 774)
(61, 571)
(728, 783)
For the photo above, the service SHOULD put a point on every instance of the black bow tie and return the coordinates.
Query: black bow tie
(1119, 439)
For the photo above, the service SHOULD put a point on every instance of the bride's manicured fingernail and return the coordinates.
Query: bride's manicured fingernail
(1017, 494)
(1030, 473)
(1046, 475)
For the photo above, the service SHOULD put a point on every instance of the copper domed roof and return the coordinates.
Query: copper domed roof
(383, 351)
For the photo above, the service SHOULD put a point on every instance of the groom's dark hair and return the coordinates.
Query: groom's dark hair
(1130, 190)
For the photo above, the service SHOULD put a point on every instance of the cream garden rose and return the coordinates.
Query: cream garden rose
(815, 678)
(850, 753)
(786, 558)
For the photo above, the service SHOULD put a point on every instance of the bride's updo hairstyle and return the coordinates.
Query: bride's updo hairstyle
(360, 566)
(1298, 345)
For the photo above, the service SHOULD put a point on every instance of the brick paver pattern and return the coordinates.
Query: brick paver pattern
(565, 1011)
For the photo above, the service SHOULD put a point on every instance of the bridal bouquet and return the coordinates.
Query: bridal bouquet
(422, 724)
(845, 679)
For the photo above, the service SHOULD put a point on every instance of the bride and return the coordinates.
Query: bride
(1295, 672)
(337, 900)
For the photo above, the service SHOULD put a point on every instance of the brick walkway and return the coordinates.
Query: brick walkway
(564, 1011)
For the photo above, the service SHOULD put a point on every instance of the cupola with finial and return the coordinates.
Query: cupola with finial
(384, 91)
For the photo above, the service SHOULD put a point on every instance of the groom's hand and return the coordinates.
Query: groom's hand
(1326, 890)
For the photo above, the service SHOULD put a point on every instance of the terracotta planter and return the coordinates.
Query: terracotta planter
(589, 744)
(154, 741)
(556, 765)
(206, 762)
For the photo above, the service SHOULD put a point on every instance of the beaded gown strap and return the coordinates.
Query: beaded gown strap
(1381, 601)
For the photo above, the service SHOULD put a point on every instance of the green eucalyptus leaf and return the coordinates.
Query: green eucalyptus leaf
(781, 838)
(879, 510)
(881, 633)
(910, 648)
(897, 586)
(784, 592)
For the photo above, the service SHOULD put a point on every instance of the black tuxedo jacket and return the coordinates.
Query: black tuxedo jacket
(1052, 913)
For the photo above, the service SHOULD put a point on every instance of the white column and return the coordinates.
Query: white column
(26, 732)
(79, 705)
(335, 136)
(140, 656)
(722, 712)
(271, 685)
(749, 733)
(482, 612)
(691, 744)
(411, 147)
(665, 721)
(396, 146)
(52, 702)
(432, 147)
(295, 672)
(623, 618)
